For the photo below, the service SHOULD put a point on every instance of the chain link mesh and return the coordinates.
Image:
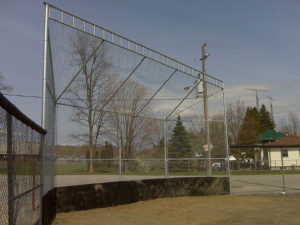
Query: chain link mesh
(20, 167)
(110, 97)
(3, 169)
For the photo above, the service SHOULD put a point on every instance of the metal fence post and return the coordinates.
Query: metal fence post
(120, 162)
(282, 171)
(226, 142)
(10, 167)
(42, 177)
(120, 150)
(165, 149)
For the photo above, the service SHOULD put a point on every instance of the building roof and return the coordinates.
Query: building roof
(286, 141)
(270, 135)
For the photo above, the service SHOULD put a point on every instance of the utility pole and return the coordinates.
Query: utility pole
(207, 133)
(256, 93)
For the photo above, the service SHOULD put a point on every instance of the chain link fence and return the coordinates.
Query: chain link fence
(21, 143)
(159, 154)
(265, 176)
(100, 87)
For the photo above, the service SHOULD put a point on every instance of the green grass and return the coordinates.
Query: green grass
(81, 168)
(21, 168)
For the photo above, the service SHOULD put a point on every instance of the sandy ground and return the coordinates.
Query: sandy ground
(223, 210)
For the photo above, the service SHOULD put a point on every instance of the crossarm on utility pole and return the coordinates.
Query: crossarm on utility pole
(194, 104)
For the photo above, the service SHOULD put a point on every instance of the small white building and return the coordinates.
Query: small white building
(286, 149)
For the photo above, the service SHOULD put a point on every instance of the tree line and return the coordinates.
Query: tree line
(246, 124)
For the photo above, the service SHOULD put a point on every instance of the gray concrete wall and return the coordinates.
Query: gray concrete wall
(90, 196)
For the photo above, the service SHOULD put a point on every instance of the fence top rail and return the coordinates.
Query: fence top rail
(135, 46)
(140, 159)
(14, 111)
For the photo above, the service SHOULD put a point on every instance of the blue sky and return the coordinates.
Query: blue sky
(253, 44)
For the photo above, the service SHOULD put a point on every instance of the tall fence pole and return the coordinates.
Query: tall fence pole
(10, 173)
(45, 67)
(42, 177)
(165, 148)
(120, 161)
(120, 148)
(226, 141)
(282, 172)
(44, 103)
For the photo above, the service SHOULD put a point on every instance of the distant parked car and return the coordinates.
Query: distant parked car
(248, 160)
(216, 165)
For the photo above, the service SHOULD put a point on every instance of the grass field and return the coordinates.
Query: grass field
(22, 168)
(208, 210)
(81, 168)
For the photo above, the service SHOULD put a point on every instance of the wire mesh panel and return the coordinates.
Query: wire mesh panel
(265, 176)
(21, 166)
(49, 118)
(117, 104)
(3, 169)
(26, 164)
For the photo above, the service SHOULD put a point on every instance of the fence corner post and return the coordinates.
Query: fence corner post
(10, 168)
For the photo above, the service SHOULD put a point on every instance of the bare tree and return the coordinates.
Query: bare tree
(235, 117)
(88, 92)
(4, 87)
(196, 133)
(132, 130)
(291, 125)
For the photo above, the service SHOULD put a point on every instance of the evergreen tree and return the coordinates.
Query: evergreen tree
(254, 124)
(179, 146)
(108, 151)
(265, 120)
(249, 130)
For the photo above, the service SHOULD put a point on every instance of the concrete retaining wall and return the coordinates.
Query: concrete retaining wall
(90, 196)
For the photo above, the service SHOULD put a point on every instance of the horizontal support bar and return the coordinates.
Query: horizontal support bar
(26, 192)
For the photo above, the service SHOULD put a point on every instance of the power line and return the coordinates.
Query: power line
(120, 99)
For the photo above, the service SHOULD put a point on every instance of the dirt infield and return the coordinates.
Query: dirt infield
(193, 211)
